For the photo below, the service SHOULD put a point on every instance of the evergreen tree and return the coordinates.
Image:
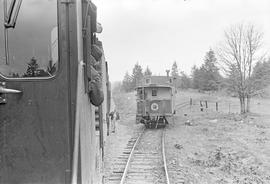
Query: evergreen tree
(127, 83)
(175, 75)
(260, 77)
(147, 72)
(15, 75)
(174, 72)
(32, 68)
(185, 81)
(196, 77)
(137, 75)
(211, 77)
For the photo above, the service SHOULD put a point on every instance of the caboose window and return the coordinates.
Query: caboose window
(29, 40)
(154, 92)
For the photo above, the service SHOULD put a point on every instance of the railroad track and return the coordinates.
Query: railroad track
(143, 161)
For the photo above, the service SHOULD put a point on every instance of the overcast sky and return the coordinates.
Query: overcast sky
(156, 33)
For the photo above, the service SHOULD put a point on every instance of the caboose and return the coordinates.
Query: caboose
(155, 101)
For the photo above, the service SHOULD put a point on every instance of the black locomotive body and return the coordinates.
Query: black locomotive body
(53, 77)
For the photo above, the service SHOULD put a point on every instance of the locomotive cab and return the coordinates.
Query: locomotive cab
(53, 76)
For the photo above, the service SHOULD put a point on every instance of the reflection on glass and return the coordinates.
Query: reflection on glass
(33, 43)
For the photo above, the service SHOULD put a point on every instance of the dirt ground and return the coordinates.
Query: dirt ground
(218, 147)
(206, 147)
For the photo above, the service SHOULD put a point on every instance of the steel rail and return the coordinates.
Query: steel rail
(129, 158)
(164, 157)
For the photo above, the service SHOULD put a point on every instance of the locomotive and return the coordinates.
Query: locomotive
(53, 79)
(155, 101)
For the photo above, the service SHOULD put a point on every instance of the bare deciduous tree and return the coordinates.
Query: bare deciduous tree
(238, 54)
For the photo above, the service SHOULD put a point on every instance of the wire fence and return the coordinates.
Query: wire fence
(209, 105)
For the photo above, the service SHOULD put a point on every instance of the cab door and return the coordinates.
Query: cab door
(36, 92)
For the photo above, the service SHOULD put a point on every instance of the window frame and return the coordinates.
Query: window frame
(60, 52)
(154, 90)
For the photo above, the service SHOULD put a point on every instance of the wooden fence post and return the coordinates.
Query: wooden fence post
(190, 104)
(201, 106)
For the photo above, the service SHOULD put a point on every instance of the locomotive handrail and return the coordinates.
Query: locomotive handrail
(6, 90)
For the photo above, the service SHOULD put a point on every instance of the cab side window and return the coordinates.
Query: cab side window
(30, 47)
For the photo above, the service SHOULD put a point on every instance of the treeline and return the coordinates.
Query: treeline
(242, 68)
(206, 77)
(130, 80)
